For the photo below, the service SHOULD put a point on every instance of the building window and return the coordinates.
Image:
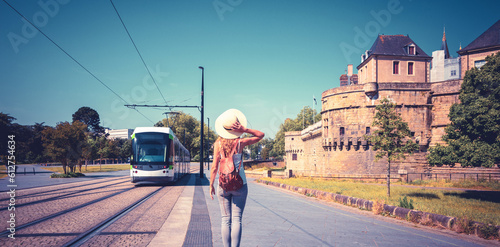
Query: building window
(410, 68)
(342, 131)
(478, 64)
(453, 73)
(395, 67)
(367, 130)
(294, 156)
(411, 50)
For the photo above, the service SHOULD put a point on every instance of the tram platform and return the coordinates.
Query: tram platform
(189, 223)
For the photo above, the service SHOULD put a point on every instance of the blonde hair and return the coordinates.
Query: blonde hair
(226, 145)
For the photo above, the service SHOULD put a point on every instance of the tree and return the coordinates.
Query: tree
(187, 129)
(28, 140)
(5, 130)
(90, 149)
(125, 150)
(36, 143)
(103, 151)
(267, 145)
(473, 136)
(23, 137)
(390, 138)
(90, 117)
(65, 142)
(441, 155)
(306, 117)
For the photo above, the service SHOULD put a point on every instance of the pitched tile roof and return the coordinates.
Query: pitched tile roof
(395, 45)
(490, 38)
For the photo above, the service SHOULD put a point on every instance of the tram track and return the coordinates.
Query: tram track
(59, 196)
(76, 225)
(82, 238)
(79, 217)
(138, 225)
(34, 222)
(21, 193)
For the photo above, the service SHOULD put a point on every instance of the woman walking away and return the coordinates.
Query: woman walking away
(228, 162)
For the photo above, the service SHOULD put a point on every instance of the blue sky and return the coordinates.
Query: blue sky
(266, 58)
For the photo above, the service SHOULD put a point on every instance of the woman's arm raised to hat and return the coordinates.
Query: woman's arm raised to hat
(215, 167)
(257, 135)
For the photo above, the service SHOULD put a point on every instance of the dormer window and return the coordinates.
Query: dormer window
(411, 50)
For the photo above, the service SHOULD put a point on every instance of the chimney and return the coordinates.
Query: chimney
(349, 70)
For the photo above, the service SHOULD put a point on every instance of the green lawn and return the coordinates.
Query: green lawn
(481, 206)
(92, 168)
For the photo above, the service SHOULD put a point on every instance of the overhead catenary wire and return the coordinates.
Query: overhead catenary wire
(137, 49)
(74, 59)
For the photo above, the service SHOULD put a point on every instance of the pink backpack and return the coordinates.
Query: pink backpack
(229, 175)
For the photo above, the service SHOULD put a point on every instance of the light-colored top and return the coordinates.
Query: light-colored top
(238, 162)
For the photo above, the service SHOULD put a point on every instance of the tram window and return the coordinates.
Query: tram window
(151, 148)
(151, 153)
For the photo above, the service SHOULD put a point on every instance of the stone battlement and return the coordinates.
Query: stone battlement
(336, 145)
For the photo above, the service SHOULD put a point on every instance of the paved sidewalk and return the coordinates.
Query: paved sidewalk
(276, 217)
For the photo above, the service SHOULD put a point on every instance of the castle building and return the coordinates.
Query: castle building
(444, 67)
(488, 43)
(396, 68)
(394, 58)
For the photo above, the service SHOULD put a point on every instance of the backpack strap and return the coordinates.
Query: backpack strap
(235, 149)
(221, 151)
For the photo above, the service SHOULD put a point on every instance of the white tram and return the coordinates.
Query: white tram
(157, 156)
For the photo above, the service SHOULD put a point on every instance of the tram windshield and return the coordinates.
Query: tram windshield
(151, 147)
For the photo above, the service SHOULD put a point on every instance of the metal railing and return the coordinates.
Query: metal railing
(452, 176)
(408, 177)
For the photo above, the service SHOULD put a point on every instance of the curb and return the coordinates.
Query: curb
(418, 217)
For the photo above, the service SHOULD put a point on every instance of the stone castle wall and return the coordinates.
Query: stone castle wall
(336, 145)
(444, 95)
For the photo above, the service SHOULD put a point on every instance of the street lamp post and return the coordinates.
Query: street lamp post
(202, 122)
(208, 145)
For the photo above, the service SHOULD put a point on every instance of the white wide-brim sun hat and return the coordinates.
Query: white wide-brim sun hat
(225, 121)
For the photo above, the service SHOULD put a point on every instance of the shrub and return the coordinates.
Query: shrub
(464, 225)
(59, 175)
(69, 175)
(488, 231)
(310, 195)
(404, 203)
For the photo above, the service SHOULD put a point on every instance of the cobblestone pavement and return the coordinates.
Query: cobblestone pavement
(84, 205)
(140, 226)
(36, 204)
